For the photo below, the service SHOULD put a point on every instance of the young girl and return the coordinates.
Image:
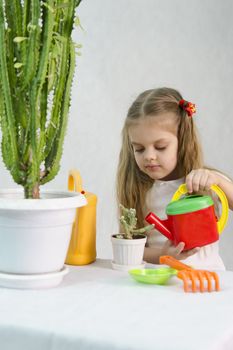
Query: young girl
(160, 151)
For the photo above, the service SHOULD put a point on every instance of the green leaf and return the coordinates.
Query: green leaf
(19, 39)
(18, 65)
(77, 23)
(48, 7)
(78, 46)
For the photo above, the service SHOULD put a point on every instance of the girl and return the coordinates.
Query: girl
(160, 151)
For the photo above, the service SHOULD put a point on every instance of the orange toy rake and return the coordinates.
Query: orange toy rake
(187, 274)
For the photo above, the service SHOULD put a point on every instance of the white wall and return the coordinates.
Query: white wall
(132, 45)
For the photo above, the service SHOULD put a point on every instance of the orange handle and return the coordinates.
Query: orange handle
(174, 263)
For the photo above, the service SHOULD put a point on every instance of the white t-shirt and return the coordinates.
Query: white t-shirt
(157, 199)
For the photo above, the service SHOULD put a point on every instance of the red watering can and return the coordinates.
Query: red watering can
(192, 218)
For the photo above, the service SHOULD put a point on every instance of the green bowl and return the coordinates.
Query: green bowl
(153, 276)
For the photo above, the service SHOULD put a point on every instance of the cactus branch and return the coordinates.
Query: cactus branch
(8, 127)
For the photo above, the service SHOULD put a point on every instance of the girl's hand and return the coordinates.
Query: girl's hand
(201, 180)
(177, 251)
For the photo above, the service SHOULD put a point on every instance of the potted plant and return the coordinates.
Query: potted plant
(128, 247)
(37, 63)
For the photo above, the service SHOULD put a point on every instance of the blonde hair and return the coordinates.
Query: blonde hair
(132, 183)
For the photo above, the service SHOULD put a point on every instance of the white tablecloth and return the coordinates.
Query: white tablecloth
(98, 308)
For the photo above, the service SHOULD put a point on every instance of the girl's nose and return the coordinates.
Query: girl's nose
(150, 155)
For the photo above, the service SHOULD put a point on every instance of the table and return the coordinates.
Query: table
(98, 308)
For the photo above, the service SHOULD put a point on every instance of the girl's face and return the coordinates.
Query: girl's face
(155, 146)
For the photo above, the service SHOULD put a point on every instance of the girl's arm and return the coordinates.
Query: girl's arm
(203, 179)
(151, 255)
(227, 187)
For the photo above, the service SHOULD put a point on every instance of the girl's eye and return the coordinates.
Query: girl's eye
(139, 150)
(160, 148)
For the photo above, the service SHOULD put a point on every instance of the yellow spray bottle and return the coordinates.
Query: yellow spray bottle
(82, 248)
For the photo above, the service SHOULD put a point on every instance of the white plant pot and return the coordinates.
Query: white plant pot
(35, 233)
(128, 252)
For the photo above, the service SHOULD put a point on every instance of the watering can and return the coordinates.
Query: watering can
(82, 248)
(191, 219)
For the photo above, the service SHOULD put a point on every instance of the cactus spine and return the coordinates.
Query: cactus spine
(37, 63)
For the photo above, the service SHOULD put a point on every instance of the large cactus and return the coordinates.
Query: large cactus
(37, 62)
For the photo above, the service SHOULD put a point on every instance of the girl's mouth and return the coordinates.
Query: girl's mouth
(152, 167)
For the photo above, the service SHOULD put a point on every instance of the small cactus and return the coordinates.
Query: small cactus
(37, 63)
(128, 220)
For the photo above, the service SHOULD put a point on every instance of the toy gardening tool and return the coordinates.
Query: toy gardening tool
(192, 219)
(187, 274)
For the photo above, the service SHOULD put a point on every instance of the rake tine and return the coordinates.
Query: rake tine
(201, 281)
(193, 279)
(209, 280)
(183, 276)
(216, 278)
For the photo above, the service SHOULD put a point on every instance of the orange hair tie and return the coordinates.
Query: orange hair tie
(188, 107)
